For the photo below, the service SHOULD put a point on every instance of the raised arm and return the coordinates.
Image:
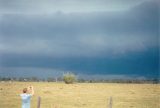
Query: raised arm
(31, 90)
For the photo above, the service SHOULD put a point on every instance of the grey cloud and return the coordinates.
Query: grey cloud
(94, 43)
(81, 34)
(50, 6)
(30, 72)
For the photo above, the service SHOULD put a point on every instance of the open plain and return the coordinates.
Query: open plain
(82, 95)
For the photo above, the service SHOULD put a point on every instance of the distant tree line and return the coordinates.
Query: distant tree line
(80, 80)
(140, 81)
(31, 79)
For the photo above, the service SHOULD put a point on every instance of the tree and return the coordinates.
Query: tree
(69, 78)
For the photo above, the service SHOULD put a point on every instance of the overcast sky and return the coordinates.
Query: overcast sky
(116, 37)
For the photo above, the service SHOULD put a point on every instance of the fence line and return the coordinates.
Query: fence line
(39, 102)
(110, 102)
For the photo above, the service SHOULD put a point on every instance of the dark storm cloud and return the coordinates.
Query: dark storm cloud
(88, 41)
(73, 34)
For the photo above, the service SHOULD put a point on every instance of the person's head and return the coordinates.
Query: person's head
(25, 90)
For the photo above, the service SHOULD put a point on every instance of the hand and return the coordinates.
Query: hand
(31, 87)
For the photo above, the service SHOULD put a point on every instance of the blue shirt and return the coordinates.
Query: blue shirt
(26, 98)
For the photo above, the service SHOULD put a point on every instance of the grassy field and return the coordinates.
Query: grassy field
(82, 95)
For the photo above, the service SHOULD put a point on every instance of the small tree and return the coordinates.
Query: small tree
(69, 78)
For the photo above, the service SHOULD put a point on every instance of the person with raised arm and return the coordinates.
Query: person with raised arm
(26, 96)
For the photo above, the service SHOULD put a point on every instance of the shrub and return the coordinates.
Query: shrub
(69, 78)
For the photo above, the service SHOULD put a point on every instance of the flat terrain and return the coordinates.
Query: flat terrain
(82, 95)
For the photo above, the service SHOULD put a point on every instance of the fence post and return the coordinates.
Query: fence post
(39, 102)
(110, 102)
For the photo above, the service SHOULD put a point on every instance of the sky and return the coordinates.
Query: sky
(91, 38)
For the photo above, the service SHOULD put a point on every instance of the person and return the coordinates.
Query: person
(26, 96)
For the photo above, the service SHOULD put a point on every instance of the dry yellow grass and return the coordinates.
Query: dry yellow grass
(82, 95)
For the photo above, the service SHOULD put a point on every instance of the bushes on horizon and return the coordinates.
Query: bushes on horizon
(69, 78)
